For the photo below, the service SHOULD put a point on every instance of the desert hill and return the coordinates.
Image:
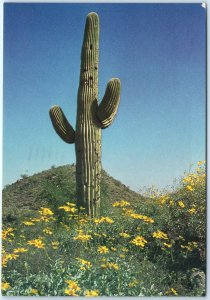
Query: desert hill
(54, 187)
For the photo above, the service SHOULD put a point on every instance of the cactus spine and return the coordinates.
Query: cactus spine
(91, 118)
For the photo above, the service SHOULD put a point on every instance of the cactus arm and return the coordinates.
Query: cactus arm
(61, 125)
(107, 109)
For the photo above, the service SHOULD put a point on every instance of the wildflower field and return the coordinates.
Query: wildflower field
(135, 248)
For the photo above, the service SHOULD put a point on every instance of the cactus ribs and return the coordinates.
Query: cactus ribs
(91, 118)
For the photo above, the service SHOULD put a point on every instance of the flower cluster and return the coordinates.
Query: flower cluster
(46, 215)
(141, 217)
(72, 288)
(82, 236)
(38, 243)
(121, 203)
(69, 207)
(103, 249)
(139, 241)
(160, 235)
(110, 265)
(181, 204)
(91, 293)
(85, 263)
(103, 220)
(5, 286)
(20, 250)
(9, 232)
(7, 257)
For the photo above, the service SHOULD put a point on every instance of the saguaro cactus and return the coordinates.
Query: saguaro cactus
(91, 118)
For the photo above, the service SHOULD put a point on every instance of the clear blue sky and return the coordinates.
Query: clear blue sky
(158, 52)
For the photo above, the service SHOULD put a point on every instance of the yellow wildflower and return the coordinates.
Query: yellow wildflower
(36, 243)
(73, 285)
(70, 292)
(7, 257)
(84, 262)
(160, 235)
(44, 211)
(107, 220)
(82, 237)
(33, 291)
(142, 217)
(200, 162)
(192, 210)
(124, 234)
(7, 232)
(11, 256)
(103, 220)
(173, 291)
(163, 199)
(188, 179)
(20, 250)
(190, 188)
(139, 241)
(103, 249)
(127, 211)
(110, 265)
(121, 203)
(181, 204)
(46, 219)
(91, 293)
(5, 286)
(68, 208)
(4, 261)
(167, 245)
(28, 223)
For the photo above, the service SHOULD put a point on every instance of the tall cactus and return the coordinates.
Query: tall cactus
(91, 118)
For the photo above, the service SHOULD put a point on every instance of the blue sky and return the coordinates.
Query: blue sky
(158, 52)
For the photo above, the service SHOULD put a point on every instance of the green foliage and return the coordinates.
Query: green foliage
(151, 247)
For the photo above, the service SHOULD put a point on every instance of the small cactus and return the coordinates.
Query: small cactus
(91, 118)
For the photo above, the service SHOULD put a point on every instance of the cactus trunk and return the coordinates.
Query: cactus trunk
(91, 118)
(88, 130)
